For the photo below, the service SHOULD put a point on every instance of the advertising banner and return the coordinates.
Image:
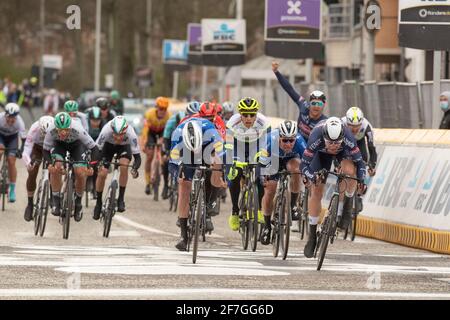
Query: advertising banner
(175, 54)
(424, 24)
(223, 42)
(293, 29)
(195, 43)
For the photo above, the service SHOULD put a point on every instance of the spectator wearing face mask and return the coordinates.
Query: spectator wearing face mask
(445, 99)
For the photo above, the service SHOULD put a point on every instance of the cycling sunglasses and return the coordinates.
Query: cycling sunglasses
(287, 140)
(316, 103)
(248, 115)
(337, 142)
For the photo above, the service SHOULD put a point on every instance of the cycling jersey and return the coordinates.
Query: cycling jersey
(17, 128)
(274, 150)
(316, 150)
(130, 138)
(83, 119)
(243, 143)
(34, 137)
(77, 134)
(366, 133)
(218, 123)
(155, 124)
(172, 124)
(305, 123)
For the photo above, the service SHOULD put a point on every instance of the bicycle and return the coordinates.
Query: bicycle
(68, 200)
(303, 222)
(328, 228)
(110, 203)
(156, 171)
(173, 193)
(282, 219)
(197, 211)
(4, 177)
(42, 201)
(249, 206)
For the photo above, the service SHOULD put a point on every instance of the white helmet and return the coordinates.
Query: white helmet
(119, 125)
(192, 136)
(333, 129)
(288, 129)
(354, 116)
(228, 107)
(12, 109)
(44, 123)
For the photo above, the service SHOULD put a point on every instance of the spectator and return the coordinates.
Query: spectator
(445, 99)
(51, 102)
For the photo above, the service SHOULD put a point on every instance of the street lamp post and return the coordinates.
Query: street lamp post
(98, 24)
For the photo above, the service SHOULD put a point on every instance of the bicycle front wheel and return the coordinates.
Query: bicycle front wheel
(199, 208)
(4, 192)
(44, 207)
(109, 209)
(68, 207)
(354, 223)
(244, 222)
(276, 228)
(285, 224)
(253, 209)
(327, 230)
(37, 210)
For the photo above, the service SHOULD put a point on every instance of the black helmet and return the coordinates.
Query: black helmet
(102, 103)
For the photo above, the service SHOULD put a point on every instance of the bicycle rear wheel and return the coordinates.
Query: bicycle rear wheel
(285, 224)
(44, 207)
(199, 208)
(110, 207)
(354, 224)
(155, 184)
(327, 230)
(253, 209)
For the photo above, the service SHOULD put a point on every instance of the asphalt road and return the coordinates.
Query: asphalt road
(139, 261)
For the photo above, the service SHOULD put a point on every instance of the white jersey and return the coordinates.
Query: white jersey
(77, 134)
(362, 131)
(83, 119)
(106, 135)
(242, 133)
(17, 128)
(34, 136)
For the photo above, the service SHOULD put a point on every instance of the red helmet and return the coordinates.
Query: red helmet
(208, 109)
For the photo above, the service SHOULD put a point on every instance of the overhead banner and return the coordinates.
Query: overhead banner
(424, 24)
(223, 42)
(194, 37)
(293, 29)
(175, 54)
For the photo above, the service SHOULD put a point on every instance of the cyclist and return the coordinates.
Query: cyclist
(32, 153)
(363, 133)
(310, 113)
(106, 114)
(117, 137)
(190, 141)
(63, 136)
(95, 125)
(11, 128)
(156, 119)
(245, 130)
(228, 111)
(285, 148)
(330, 140)
(71, 107)
(116, 103)
(170, 127)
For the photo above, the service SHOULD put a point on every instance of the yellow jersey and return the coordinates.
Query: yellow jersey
(153, 123)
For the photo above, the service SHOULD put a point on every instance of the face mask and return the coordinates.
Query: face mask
(444, 105)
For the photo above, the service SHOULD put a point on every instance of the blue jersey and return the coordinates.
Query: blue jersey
(348, 149)
(274, 150)
(211, 139)
(305, 123)
(172, 124)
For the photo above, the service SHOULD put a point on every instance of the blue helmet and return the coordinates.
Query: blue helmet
(192, 107)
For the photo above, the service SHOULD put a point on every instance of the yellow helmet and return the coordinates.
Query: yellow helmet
(248, 105)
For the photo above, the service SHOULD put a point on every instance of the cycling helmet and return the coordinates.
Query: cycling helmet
(207, 109)
(162, 102)
(102, 103)
(12, 109)
(71, 106)
(115, 95)
(317, 95)
(288, 129)
(228, 107)
(119, 125)
(44, 123)
(333, 130)
(192, 136)
(248, 105)
(354, 116)
(63, 120)
(94, 113)
(192, 107)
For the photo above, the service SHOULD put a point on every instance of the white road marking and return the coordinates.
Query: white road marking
(214, 293)
(143, 227)
(124, 233)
